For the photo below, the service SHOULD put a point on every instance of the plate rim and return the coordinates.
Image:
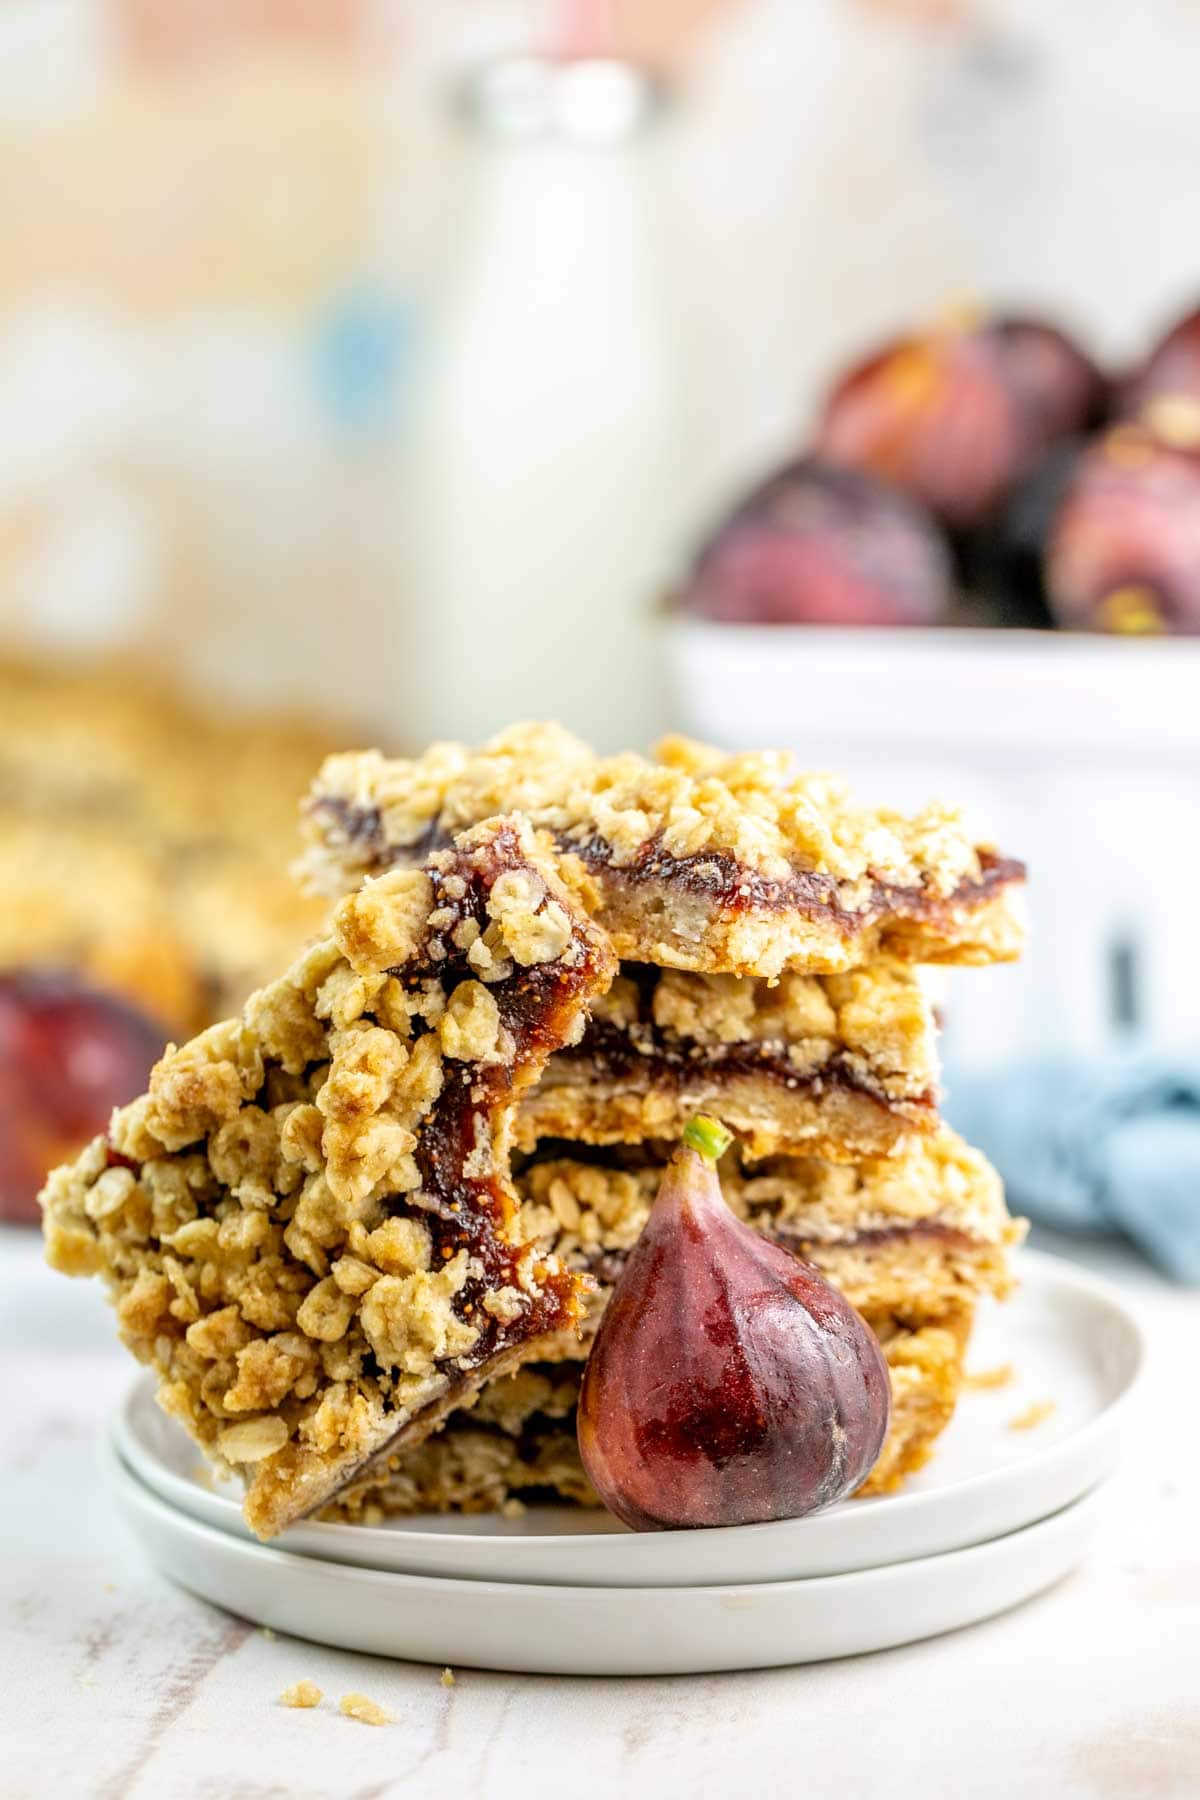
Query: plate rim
(269, 1555)
(1034, 1466)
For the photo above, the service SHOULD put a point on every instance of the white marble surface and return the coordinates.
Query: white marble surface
(112, 1683)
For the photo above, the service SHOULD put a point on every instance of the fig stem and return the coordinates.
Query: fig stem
(708, 1137)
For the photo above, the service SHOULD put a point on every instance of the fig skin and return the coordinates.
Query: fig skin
(957, 414)
(1059, 389)
(812, 545)
(729, 1383)
(1123, 555)
(68, 1054)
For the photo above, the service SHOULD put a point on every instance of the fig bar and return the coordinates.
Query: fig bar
(842, 1066)
(912, 1241)
(719, 864)
(307, 1224)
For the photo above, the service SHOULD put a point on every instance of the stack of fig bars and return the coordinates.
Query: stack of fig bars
(365, 1231)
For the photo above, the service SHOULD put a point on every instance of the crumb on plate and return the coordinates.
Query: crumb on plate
(1034, 1415)
(368, 1712)
(448, 1678)
(302, 1694)
(997, 1377)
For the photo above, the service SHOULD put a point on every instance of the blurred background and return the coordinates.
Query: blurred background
(379, 370)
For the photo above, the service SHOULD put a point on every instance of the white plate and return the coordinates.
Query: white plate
(1067, 1335)
(555, 1630)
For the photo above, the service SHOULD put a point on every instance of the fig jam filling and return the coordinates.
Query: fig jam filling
(734, 888)
(874, 1237)
(464, 1201)
(473, 1212)
(608, 1053)
(713, 875)
(605, 1266)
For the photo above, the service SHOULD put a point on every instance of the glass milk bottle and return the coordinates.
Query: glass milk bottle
(541, 491)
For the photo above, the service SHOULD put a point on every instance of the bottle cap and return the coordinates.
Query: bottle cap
(590, 100)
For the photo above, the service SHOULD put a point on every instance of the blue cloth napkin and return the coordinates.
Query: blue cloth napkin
(1095, 1144)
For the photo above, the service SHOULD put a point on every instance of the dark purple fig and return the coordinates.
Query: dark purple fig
(1059, 390)
(955, 415)
(819, 546)
(1124, 552)
(68, 1055)
(728, 1383)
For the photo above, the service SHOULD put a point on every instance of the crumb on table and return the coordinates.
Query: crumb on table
(1035, 1414)
(301, 1693)
(368, 1712)
(268, 1634)
(448, 1678)
(1000, 1376)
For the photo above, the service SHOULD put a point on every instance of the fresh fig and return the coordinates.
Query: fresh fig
(955, 415)
(1058, 388)
(68, 1055)
(728, 1383)
(818, 546)
(1123, 554)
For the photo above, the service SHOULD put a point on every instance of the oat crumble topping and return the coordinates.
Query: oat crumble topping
(755, 807)
(726, 835)
(304, 1220)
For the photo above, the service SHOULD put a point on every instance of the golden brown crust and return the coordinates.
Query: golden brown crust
(841, 1066)
(770, 1111)
(703, 861)
(306, 1225)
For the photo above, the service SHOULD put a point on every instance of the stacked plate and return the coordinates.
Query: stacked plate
(999, 1515)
